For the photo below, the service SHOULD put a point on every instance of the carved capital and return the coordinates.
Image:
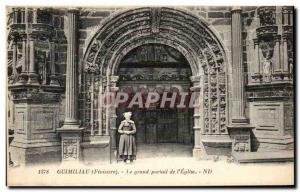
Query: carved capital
(277, 38)
(74, 10)
(33, 95)
(236, 9)
(114, 79)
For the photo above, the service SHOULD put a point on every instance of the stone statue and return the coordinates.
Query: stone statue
(267, 64)
(127, 145)
(291, 67)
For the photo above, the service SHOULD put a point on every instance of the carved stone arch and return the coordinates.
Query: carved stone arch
(176, 28)
(116, 59)
(202, 24)
(163, 38)
(140, 15)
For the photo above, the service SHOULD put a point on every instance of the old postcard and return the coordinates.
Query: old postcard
(150, 96)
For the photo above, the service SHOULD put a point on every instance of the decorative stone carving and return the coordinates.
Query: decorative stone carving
(189, 34)
(171, 75)
(70, 149)
(70, 132)
(241, 143)
(267, 15)
(155, 19)
(267, 67)
(272, 48)
(91, 68)
(35, 96)
(266, 31)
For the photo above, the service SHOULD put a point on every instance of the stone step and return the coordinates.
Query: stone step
(261, 157)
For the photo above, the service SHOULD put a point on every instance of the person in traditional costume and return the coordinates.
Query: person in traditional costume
(127, 145)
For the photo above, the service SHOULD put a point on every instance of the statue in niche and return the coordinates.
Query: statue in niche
(267, 66)
(127, 145)
(291, 67)
(267, 47)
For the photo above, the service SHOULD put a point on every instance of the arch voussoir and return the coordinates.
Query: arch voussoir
(180, 30)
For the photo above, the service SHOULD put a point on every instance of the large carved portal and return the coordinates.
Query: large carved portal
(160, 69)
(186, 33)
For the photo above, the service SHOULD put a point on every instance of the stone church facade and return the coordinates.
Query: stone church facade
(61, 62)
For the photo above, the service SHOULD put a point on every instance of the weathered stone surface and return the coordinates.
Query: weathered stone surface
(211, 46)
(33, 138)
(221, 22)
(89, 22)
(215, 14)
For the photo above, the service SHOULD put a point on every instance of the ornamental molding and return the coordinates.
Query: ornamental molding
(176, 28)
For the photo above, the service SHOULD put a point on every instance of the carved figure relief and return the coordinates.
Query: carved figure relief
(188, 35)
(267, 66)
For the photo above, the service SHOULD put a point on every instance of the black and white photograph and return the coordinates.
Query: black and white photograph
(150, 95)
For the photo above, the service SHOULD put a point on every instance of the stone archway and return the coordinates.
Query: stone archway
(162, 127)
(176, 28)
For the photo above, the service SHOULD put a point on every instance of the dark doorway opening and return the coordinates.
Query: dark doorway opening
(161, 130)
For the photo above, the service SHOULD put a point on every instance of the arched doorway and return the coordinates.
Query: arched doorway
(163, 127)
(189, 35)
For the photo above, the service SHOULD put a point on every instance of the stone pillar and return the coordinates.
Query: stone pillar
(32, 75)
(24, 55)
(239, 129)
(277, 64)
(71, 71)
(71, 132)
(34, 15)
(198, 150)
(53, 77)
(113, 117)
(15, 16)
(238, 109)
(92, 95)
(15, 56)
(100, 107)
(22, 79)
(285, 60)
(256, 64)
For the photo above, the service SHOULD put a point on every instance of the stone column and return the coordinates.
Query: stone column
(53, 77)
(113, 116)
(71, 132)
(15, 56)
(32, 75)
(256, 64)
(285, 60)
(15, 15)
(71, 71)
(22, 79)
(239, 124)
(198, 150)
(100, 107)
(34, 15)
(277, 66)
(238, 109)
(24, 55)
(92, 95)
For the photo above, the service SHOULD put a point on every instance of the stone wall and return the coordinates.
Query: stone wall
(260, 95)
(268, 101)
(91, 18)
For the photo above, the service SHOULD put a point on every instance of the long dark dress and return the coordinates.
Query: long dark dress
(127, 145)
